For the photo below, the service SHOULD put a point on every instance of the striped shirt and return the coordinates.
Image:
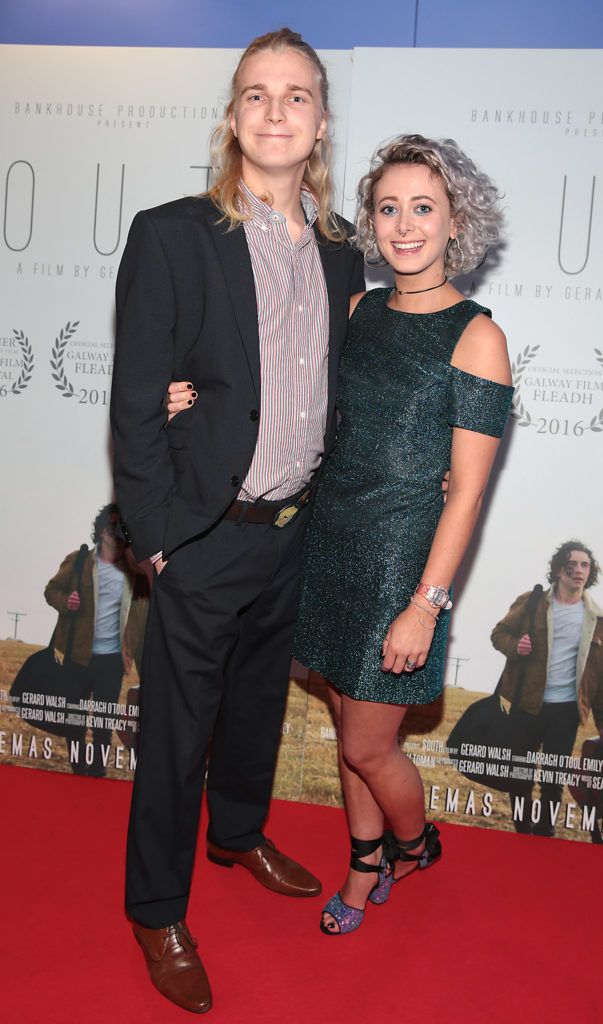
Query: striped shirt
(293, 321)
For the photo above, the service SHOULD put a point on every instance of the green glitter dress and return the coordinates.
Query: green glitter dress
(380, 496)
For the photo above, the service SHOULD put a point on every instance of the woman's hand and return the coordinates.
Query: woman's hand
(180, 396)
(407, 640)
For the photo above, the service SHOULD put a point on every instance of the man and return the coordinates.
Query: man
(245, 292)
(109, 609)
(561, 661)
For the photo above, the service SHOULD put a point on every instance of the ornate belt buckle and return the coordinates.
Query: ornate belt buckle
(285, 515)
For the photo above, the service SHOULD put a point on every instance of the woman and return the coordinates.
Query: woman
(424, 385)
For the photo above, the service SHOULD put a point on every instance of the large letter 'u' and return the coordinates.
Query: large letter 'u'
(590, 224)
(15, 163)
(121, 201)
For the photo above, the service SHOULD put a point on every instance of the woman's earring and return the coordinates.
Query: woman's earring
(373, 256)
(454, 255)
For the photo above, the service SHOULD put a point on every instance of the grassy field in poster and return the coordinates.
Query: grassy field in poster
(307, 762)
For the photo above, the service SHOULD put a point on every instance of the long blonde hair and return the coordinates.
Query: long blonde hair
(226, 156)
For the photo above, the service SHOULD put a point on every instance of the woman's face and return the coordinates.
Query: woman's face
(413, 220)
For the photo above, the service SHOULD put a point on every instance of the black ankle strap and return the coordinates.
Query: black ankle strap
(362, 848)
(409, 844)
(397, 849)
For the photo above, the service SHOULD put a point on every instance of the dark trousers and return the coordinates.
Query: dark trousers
(104, 675)
(215, 664)
(554, 730)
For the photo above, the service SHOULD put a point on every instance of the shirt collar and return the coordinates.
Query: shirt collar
(265, 216)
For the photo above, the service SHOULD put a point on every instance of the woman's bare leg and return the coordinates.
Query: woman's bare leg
(377, 780)
(367, 817)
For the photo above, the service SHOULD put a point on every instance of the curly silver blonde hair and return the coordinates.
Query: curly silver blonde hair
(473, 196)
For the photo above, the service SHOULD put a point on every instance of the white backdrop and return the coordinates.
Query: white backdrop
(533, 120)
(74, 120)
(89, 136)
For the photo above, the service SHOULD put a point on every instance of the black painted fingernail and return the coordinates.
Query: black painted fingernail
(194, 394)
(190, 402)
(190, 387)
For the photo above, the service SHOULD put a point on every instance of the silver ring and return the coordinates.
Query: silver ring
(410, 663)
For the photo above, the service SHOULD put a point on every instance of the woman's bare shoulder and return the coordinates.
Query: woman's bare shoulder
(482, 351)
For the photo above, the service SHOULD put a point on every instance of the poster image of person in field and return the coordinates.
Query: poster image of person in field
(561, 657)
(110, 612)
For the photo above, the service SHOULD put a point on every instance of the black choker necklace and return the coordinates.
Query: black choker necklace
(419, 290)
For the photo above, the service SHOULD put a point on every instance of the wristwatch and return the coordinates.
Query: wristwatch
(438, 597)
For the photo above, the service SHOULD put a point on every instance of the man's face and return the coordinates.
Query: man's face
(576, 570)
(278, 114)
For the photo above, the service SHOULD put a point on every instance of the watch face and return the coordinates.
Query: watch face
(437, 596)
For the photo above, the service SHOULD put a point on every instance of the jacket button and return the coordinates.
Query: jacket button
(234, 481)
(254, 415)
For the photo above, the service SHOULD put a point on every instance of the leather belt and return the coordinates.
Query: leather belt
(279, 516)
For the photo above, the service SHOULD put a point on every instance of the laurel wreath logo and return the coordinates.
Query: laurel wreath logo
(596, 424)
(56, 359)
(518, 368)
(522, 415)
(24, 377)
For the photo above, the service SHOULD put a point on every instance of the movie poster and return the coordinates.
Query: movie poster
(307, 768)
(74, 704)
(90, 136)
(539, 138)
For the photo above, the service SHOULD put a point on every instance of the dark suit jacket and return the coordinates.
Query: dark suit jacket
(186, 310)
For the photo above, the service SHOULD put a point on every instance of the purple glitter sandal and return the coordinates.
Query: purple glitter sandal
(380, 894)
(350, 918)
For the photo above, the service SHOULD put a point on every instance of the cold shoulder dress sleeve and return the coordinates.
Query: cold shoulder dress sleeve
(478, 404)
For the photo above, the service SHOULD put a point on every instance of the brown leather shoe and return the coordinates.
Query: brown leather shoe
(271, 868)
(174, 965)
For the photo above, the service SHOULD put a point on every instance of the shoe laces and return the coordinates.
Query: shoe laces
(180, 930)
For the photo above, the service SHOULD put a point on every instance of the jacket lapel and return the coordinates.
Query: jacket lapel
(234, 256)
(338, 309)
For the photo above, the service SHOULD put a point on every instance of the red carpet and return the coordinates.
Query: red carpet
(504, 928)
